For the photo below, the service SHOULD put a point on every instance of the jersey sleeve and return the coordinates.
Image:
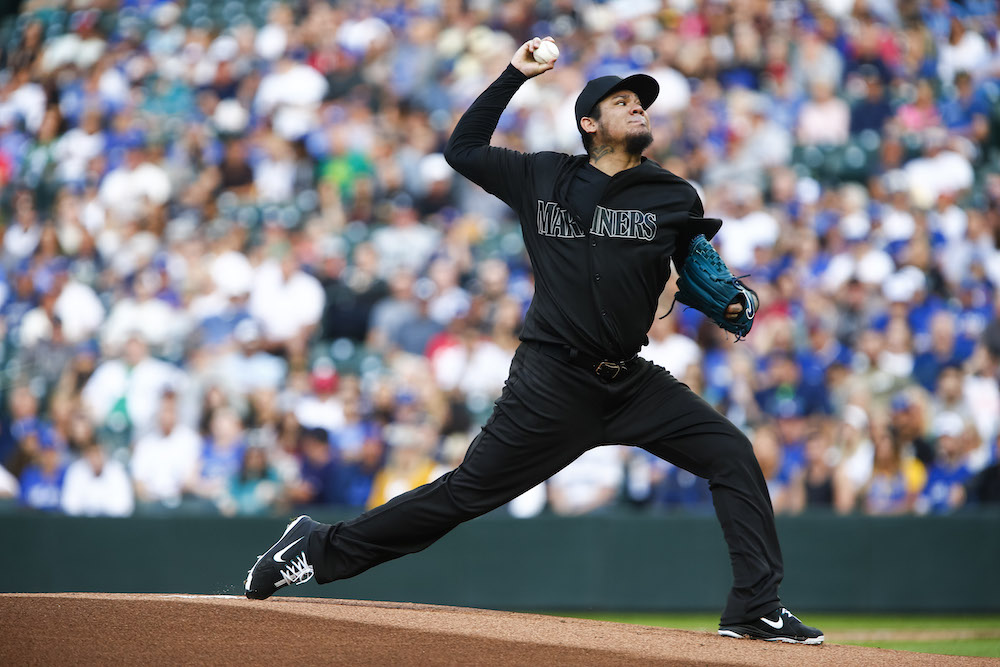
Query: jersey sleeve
(697, 208)
(696, 224)
(500, 171)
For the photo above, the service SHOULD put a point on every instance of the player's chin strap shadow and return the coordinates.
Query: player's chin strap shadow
(750, 304)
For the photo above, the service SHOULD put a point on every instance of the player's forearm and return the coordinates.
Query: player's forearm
(469, 144)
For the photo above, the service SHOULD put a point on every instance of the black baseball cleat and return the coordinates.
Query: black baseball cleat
(284, 563)
(780, 625)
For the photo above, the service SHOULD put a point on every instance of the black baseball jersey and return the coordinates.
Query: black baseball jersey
(599, 245)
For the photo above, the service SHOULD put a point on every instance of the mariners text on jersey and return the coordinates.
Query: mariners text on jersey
(554, 221)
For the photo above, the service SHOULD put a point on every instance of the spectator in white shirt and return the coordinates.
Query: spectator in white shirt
(124, 393)
(159, 323)
(825, 119)
(291, 95)
(24, 98)
(407, 242)
(134, 190)
(274, 170)
(287, 301)
(79, 146)
(165, 462)
(450, 300)
(670, 349)
(965, 51)
(9, 488)
(247, 368)
(79, 309)
(24, 231)
(815, 60)
(322, 408)
(588, 483)
(96, 485)
(470, 363)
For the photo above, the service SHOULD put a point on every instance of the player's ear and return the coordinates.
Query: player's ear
(588, 125)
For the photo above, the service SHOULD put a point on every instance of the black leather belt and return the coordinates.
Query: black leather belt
(605, 369)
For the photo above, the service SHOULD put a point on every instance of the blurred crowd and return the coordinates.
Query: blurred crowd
(238, 276)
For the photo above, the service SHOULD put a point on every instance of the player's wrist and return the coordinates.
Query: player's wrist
(512, 70)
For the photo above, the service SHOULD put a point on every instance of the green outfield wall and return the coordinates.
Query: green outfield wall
(670, 563)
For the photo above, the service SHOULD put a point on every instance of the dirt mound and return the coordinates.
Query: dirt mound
(97, 628)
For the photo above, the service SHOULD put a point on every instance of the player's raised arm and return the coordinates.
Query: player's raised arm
(497, 170)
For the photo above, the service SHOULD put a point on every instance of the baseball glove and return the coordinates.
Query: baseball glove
(705, 283)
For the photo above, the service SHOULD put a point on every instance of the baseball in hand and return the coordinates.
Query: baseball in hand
(546, 52)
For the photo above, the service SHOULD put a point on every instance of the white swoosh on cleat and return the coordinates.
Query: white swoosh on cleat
(278, 557)
(777, 625)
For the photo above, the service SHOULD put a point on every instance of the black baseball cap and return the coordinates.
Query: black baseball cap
(597, 89)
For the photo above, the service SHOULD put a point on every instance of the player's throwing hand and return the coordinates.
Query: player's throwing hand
(524, 60)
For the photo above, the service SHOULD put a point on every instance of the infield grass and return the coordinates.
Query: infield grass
(970, 635)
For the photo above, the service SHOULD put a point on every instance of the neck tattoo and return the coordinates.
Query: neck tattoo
(601, 151)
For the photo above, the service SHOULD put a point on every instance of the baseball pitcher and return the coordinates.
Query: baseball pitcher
(601, 230)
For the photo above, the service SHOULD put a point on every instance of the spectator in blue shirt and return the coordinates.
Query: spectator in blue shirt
(966, 110)
(787, 395)
(873, 110)
(42, 480)
(928, 365)
(944, 488)
(222, 453)
(357, 477)
(20, 302)
(26, 431)
(319, 483)
(676, 489)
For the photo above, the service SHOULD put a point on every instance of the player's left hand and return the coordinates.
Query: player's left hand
(705, 283)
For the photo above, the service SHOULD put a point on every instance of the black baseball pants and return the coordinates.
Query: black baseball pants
(551, 412)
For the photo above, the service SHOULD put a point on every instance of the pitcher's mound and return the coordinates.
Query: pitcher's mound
(101, 628)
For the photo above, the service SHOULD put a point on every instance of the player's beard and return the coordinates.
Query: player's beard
(637, 142)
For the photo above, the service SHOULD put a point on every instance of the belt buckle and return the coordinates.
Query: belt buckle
(609, 370)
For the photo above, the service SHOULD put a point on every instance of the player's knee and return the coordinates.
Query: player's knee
(736, 454)
(470, 497)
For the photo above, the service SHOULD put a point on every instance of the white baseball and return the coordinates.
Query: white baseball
(546, 52)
